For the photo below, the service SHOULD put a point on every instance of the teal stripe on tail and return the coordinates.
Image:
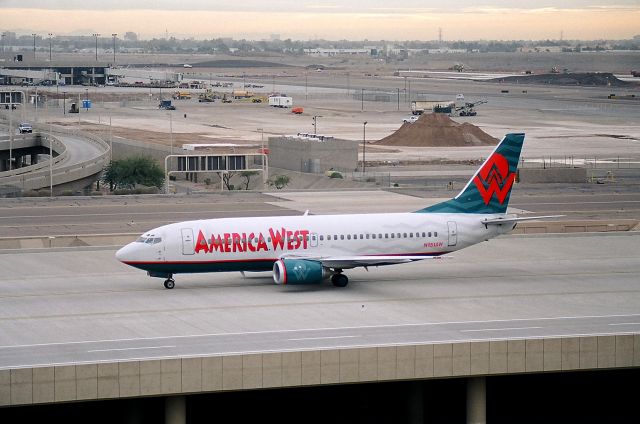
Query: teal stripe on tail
(489, 189)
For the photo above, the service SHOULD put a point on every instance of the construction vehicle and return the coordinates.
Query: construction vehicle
(166, 105)
(418, 107)
(242, 94)
(181, 95)
(635, 74)
(208, 96)
(468, 108)
(74, 108)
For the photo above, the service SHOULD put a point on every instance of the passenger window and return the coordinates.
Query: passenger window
(355, 237)
(373, 236)
(379, 235)
(404, 235)
(348, 236)
(361, 236)
(435, 234)
(399, 235)
(411, 235)
(393, 235)
(341, 236)
(269, 239)
(321, 238)
(423, 235)
(367, 236)
(335, 237)
(386, 235)
(429, 233)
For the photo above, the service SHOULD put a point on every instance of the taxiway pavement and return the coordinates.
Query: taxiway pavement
(80, 305)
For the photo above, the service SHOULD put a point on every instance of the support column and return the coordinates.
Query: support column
(477, 400)
(175, 410)
(415, 399)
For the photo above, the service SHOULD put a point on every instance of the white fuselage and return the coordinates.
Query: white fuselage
(236, 244)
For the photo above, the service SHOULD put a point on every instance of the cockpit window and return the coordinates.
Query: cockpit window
(149, 240)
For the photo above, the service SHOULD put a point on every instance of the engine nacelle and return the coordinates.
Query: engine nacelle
(298, 271)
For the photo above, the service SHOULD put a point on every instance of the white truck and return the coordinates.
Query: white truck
(280, 101)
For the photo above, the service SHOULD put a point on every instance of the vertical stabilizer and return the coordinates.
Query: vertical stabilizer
(489, 189)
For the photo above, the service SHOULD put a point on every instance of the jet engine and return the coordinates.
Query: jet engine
(298, 271)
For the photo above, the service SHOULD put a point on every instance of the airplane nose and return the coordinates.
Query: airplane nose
(123, 253)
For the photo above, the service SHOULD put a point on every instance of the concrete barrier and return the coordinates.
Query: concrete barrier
(220, 373)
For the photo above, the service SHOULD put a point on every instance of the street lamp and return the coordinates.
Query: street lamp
(96, 35)
(362, 99)
(64, 102)
(34, 46)
(50, 34)
(171, 130)
(315, 122)
(86, 98)
(364, 143)
(114, 47)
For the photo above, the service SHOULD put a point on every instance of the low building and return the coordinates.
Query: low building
(313, 153)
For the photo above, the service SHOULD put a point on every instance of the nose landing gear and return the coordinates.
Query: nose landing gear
(169, 283)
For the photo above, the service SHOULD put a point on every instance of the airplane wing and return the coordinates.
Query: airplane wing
(345, 262)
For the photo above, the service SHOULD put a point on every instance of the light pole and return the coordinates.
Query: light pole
(50, 34)
(34, 46)
(262, 149)
(96, 35)
(315, 123)
(364, 143)
(64, 102)
(171, 130)
(86, 99)
(114, 35)
(362, 99)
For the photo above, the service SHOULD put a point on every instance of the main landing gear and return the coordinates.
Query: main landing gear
(169, 283)
(339, 279)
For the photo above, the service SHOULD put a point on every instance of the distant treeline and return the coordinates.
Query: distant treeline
(130, 41)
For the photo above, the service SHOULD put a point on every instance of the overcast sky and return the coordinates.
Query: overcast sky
(346, 19)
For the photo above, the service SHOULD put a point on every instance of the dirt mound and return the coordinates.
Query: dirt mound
(438, 130)
(586, 78)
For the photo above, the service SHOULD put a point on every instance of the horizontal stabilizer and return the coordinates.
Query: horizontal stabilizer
(508, 220)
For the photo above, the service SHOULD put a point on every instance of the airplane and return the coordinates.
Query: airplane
(308, 249)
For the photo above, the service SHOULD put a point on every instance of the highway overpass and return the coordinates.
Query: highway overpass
(78, 159)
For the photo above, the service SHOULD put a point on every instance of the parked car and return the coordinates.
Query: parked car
(25, 127)
(411, 119)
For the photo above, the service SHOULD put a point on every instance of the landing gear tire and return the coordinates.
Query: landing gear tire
(339, 280)
(169, 283)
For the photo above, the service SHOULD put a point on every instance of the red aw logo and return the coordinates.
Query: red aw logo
(494, 177)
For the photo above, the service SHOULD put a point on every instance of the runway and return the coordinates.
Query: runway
(81, 305)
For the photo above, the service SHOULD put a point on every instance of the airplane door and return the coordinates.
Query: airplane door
(453, 233)
(314, 240)
(188, 247)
